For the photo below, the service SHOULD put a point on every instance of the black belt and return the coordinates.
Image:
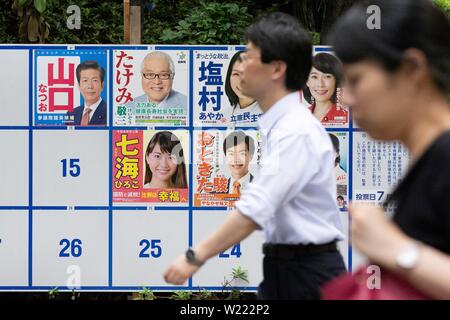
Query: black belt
(290, 251)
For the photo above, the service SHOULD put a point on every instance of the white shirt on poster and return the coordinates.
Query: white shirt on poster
(244, 181)
(247, 116)
(93, 107)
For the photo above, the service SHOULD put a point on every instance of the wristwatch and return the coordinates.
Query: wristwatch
(192, 259)
(409, 257)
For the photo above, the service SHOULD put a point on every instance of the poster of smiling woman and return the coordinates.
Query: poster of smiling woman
(151, 166)
(323, 93)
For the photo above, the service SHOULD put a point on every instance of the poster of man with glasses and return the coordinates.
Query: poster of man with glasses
(151, 88)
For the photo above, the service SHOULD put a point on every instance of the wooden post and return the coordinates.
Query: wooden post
(136, 21)
(126, 21)
(132, 19)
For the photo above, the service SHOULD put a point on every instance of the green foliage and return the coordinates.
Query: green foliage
(53, 293)
(234, 295)
(168, 21)
(33, 27)
(239, 273)
(444, 5)
(315, 37)
(236, 274)
(75, 295)
(8, 24)
(40, 5)
(146, 294)
(181, 295)
(101, 22)
(210, 23)
(206, 295)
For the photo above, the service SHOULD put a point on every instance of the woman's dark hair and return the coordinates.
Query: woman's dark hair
(326, 63)
(280, 36)
(335, 141)
(232, 96)
(167, 142)
(404, 24)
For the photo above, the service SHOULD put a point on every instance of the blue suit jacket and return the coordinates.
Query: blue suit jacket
(98, 118)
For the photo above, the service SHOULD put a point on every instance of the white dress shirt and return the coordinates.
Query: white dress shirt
(93, 107)
(293, 195)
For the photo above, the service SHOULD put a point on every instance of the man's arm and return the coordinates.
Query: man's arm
(235, 228)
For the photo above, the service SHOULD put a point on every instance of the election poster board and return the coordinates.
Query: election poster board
(118, 158)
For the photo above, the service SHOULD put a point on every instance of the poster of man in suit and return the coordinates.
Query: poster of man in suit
(70, 87)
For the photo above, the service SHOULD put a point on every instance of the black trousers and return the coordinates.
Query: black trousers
(299, 278)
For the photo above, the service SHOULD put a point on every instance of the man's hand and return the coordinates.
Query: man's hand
(235, 228)
(179, 271)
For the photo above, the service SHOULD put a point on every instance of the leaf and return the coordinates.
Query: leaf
(33, 29)
(22, 2)
(184, 24)
(23, 30)
(40, 5)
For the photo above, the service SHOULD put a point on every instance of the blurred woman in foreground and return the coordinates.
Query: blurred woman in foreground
(397, 82)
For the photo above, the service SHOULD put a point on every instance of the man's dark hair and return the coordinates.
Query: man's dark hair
(90, 64)
(404, 24)
(280, 36)
(237, 137)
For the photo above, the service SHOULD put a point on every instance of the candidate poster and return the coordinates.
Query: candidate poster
(323, 92)
(217, 91)
(340, 146)
(151, 87)
(151, 166)
(70, 87)
(225, 162)
(378, 167)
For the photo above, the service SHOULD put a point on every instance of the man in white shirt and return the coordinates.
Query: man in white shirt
(293, 196)
(238, 149)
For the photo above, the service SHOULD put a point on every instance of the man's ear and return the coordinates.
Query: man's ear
(414, 65)
(279, 69)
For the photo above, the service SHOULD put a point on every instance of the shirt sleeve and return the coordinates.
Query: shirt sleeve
(285, 169)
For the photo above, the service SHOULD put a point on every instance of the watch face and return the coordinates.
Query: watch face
(190, 255)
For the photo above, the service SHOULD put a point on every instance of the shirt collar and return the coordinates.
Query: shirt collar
(268, 119)
(242, 180)
(162, 101)
(94, 106)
